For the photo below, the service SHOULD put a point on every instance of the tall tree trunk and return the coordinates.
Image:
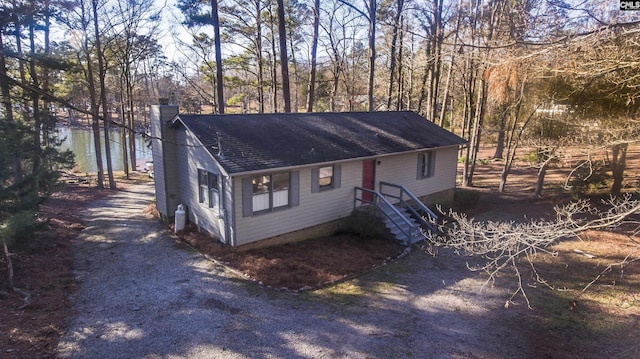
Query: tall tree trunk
(45, 78)
(436, 64)
(452, 60)
(445, 95)
(334, 88)
(542, 172)
(260, 58)
(618, 165)
(103, 96)
(399, 99)
(93, 97)
(217, 41)
(337, 70)
(373, 10)
(21, 60)
(513, 140)
(468, 121)
(411, 74)
(314, 53)
(123, 128)
(476, 134)
(476, 98)
(131, 117)
(284, 59)
(37, 114)
(95, 124)
(295, 106)
(423, 83)
(501, 132)
(392, 56)
(512, 147)
(274, 65)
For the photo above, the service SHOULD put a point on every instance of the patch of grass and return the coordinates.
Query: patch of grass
(532, 157)
(342, 293)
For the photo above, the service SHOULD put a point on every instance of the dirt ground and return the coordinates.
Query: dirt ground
(42, 270)
(603, 319)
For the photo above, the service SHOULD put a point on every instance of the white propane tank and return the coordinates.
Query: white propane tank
(180, 218)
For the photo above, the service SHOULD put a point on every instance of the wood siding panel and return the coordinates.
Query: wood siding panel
(325, 206)
(402, 170)
(191, 157)
(314, 208)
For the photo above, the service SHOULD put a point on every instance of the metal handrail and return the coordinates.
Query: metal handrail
(375, 201)
(404, 203)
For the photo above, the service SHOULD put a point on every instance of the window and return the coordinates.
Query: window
(426, 164)
(208, 188)
(266, 193)
(270, 192)
(325, 178)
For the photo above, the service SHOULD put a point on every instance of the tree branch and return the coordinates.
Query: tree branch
(502, 244)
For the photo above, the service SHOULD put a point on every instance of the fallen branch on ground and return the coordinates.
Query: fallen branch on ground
(10, 285)
(7, 257)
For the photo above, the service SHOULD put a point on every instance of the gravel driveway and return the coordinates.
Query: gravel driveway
(144, 295)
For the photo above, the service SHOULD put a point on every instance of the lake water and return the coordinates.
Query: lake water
(80, 142)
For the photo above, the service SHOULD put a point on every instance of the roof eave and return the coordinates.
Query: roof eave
(177, 122)
(320, 164)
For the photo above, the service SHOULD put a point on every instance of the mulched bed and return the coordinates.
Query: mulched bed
(302, 265)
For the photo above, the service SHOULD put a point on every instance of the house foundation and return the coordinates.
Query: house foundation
(319, 231)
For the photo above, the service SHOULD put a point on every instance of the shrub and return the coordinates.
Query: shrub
(18, 228)
(363, 223)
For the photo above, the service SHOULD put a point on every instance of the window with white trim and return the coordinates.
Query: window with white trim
(208, 188)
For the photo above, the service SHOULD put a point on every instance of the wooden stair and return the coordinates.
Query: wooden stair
(400, 224)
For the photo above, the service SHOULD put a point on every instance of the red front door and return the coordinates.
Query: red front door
(368, 178)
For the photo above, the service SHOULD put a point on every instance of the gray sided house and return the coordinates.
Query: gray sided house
(249, 177)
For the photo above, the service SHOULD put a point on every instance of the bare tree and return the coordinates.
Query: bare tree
(596, 77)
(314, 52)
(393, 56)
(284, 60)
(93, 93)
(372, 11)
(102, 71)
(244, 27)
(494, 34)
(273, 55)
(218, 47)
(132, 40)
(345, 53)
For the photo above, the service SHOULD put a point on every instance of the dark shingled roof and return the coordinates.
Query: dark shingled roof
(252, 142)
